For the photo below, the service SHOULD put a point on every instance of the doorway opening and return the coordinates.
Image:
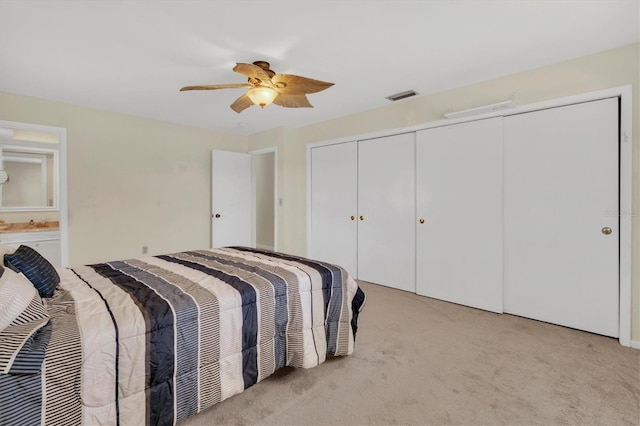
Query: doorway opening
(33, 189)
(264, 163)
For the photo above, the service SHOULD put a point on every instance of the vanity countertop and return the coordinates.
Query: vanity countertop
(32, 226)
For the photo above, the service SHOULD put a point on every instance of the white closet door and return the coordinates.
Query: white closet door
(561, 199)
(334, 205)
(386, 207)
(459, 198)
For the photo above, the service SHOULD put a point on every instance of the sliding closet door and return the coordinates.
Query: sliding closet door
(386, 209)
(334, 205)
(459, 213)
(561, 226)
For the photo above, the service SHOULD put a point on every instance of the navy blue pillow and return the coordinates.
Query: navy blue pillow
(36, 268)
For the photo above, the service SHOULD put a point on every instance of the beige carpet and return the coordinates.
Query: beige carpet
(423, 361)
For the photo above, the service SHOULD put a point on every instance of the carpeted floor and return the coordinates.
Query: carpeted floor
(423, 361)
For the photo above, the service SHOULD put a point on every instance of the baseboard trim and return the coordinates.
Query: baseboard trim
(635, 344)
(263, 247)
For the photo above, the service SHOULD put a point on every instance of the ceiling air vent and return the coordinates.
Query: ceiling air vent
(402, 95)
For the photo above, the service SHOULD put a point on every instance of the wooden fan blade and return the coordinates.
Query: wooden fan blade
(292, 101)
(296, 85)
(217, 86)
(242, 103)
(254, 72)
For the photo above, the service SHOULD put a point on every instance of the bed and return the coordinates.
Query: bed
(157, 339)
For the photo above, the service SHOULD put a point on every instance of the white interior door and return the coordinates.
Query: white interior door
(334, 205)
(561, 195)
(386, 210)
(232, 218)
(459, 202)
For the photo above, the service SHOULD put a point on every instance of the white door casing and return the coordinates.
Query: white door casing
(386, 211)
(334, 205)
(232, 199)
(561, 180)
(459, 199)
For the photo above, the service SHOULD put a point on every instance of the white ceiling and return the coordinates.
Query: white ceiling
(133, 56)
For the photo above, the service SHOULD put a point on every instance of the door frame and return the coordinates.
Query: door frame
(253, 153)
(63, 224)
(626, 213)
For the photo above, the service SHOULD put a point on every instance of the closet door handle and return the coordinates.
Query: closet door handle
(361, 217)
(421, 220)
(217, 215)
(353, 217)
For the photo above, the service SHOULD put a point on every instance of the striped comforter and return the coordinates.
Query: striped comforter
(157, 339)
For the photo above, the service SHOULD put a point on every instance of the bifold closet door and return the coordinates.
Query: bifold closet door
(334, 205)
(561, 226)
(386, 211)
(459, 213)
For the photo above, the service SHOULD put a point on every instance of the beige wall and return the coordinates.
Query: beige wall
(132, 181)
(604, 70)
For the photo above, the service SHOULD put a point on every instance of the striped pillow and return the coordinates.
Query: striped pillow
(25, 339)
(36, 268)
(16, 293)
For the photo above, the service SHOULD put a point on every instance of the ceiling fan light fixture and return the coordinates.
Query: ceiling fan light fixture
(264, 87)
(262, 96)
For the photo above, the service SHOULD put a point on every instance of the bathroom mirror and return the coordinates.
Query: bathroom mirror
(31, 178)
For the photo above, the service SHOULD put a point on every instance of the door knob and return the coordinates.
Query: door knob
(421, 220)
(361, 217)
(606, 230)
(353, 217)
(217, 215)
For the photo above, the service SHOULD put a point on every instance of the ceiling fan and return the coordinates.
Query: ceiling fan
(265, 87)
